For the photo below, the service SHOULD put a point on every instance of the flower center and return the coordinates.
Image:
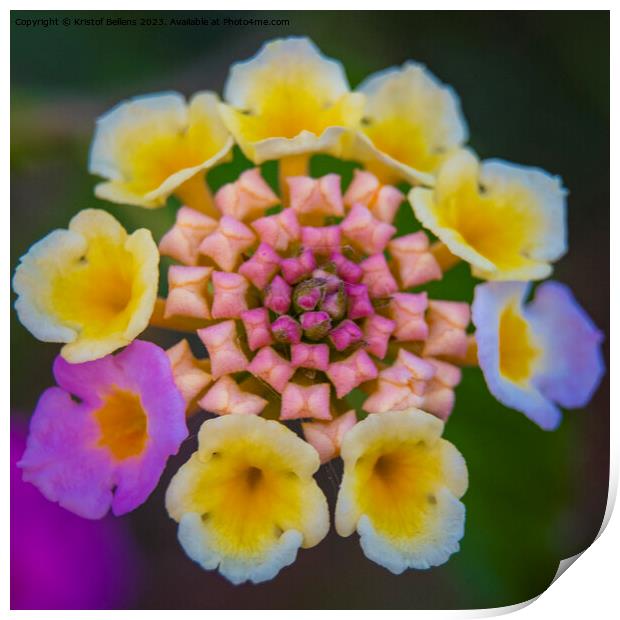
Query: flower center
(396, 486)
(122, 423)
(95, 291)
(481, 221)
(253, 477)
(517, 351)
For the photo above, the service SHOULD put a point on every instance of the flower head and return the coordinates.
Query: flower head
(92, 286)
(258, 95)
(301, 310)
(411, 123)
(507, 221)
(108, 449)
(401, 490)
(538, 356)
(149, 147)
(246, 500)
(303, 300)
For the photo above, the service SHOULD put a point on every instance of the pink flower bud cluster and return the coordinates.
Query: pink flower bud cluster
(312, 310)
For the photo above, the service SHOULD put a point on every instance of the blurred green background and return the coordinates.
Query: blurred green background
(535, 90)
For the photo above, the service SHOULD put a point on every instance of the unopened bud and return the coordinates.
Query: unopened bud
(316, 325)
(286, 329)
(307, 294)
(335, 304)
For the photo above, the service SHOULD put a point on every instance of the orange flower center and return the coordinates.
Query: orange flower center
(122, 423)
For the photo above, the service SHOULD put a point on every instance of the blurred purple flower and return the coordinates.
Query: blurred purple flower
(61, 561)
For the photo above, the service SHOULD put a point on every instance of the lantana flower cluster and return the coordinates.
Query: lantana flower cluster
(319, 339)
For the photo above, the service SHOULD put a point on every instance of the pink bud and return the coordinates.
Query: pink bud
(447, 322)
(247, 198)
(263, 265)
(321, 197)
(345, 334)
(313, 356)
(358, 301)
(187, 292)
(191, 376)
(271, 368)
(226, 244)
(365, 232)
(321, 240)
(310, 401)
(279, 230)
(377, 331)
(229, 295)
(326, 437)
(181, 242)
(335, 304)
(286, 329)
(439, 395)
(407, 311)
(387, 397)
(223, 346)
(309, 299)
(378, 277)
(257, 328)
(415, 263)
(307, 294)
(278, 296)
(382, 200)
(226, 397)
(401, 385)
(299, 267)
(420, 370)
(351, 372)
(316, 325)
(331, 283)
(346, 269)
(362, 189)
(386, 203)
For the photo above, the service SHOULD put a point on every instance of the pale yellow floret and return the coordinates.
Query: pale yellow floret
(411, 123)
(150, 146)
(401, 489)
(289, 100)
(92, 286)
(246, 500)
(507, 221)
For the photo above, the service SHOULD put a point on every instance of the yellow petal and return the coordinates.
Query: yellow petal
(246, 500)
(288, 100)
(507, 221)
(401, 489)
(91, 286)
(148, 146)
(411, 123)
